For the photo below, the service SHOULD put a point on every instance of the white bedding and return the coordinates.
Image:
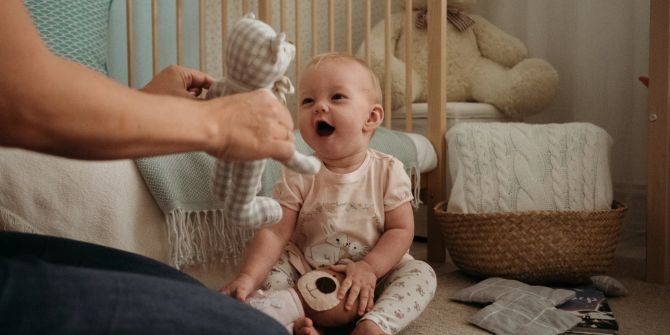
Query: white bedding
(457, 112)
(425, 153)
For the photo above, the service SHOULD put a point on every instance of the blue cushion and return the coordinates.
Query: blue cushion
(74, 29)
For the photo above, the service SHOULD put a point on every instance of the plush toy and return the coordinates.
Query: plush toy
(485, 64)
(256, 58)
(314, 296)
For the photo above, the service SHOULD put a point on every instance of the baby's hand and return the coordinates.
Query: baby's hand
(240, 287)
(360, 283)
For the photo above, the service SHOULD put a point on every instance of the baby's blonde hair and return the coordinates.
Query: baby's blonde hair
(335, 56)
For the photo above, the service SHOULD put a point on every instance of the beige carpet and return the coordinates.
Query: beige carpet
(645, 311)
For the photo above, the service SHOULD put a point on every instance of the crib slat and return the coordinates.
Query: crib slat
(349, 28)
(437, 120)
(265, 11)
(282, 15)
(331, 25)
(180, 55)
(224, 32)
(314, 30)
(408, 66)
(388, 53)
(298, 45)
(201, 34)
(245, 7)
(368, 20)
(130, 41)
(154, 36)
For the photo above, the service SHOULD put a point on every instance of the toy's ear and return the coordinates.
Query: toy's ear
(277, 42)
(250, 15)
(276, 47)
(335, 314)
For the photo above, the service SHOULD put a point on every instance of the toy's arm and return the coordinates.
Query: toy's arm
(498, 45)
(303, 164)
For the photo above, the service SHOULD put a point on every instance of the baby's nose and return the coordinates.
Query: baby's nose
(320, 108)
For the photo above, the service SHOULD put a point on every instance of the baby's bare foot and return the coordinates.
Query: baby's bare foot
(367, 327)
(304, 326)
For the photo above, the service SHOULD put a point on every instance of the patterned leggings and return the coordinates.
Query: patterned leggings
(401, 295)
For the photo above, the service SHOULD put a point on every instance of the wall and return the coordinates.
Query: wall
(599, 48)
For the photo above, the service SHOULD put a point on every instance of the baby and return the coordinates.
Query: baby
(354, 216)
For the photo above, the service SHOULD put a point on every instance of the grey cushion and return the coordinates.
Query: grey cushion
(610, 286)
(495, 289)
(524, 314)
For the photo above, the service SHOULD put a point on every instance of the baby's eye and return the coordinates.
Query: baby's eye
(306, 101)
(338, 96)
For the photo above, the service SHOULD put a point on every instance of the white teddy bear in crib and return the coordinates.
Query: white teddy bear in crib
(484, 63)
(256, 58)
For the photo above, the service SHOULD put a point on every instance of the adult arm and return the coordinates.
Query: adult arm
(56, 106)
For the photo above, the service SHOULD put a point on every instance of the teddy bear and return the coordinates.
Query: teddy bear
(314, 296)
(484, 63)
(256, 58)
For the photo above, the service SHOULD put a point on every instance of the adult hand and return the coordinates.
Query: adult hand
(252, 125)
(360, 283)
(179, 81)
(240, 287)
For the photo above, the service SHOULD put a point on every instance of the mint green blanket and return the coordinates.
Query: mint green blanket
(181, 185)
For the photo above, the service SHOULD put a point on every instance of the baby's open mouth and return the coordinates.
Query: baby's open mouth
(323, 128)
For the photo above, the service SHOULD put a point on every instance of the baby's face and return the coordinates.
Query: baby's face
(335, 106)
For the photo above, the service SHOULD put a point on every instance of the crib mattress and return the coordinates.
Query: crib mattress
(457, 112)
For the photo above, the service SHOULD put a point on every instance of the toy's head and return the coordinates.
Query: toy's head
(256, 56)
(318, 291)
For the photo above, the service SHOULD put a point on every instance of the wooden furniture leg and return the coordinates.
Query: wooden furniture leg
(658, 162)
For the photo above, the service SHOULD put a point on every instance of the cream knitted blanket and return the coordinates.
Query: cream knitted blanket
(507, 167)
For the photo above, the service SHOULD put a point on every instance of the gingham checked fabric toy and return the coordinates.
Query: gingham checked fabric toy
(256, 57)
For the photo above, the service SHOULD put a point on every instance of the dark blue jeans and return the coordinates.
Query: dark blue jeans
(51, 285)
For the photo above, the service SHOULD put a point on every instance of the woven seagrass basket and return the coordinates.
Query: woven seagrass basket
(533, 247)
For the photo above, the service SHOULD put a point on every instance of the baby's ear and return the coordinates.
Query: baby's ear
(375, 117)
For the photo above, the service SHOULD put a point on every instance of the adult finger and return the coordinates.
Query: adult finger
(280, 132)
(281, 150)
(195, 79)
(275, 110)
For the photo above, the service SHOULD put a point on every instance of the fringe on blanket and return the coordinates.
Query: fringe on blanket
(11, 222)
(200, 237)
